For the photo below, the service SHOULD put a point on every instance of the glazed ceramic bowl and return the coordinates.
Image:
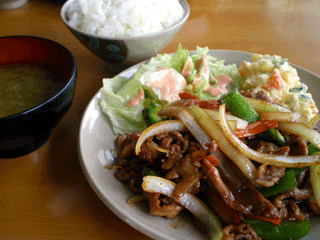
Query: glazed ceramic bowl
(26, 131)
(11, 4)
(121, 53)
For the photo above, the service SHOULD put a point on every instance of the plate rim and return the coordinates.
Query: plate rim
(130, 220)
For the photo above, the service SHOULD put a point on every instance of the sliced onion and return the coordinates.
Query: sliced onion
(270, 159)
(215, 132)
(314, 121)
(233, 125)
(263, 106)
(284, 117)
(170, 111)
(160, 127)
(315, 181)
(194, 128)
(160, 149)
(136, 199)
(233, 121)
(201, 211)
(304, 131)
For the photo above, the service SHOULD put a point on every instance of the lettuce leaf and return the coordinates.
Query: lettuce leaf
(114, 95)
(159, 61)
(179, 58)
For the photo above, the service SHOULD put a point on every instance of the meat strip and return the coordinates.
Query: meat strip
(260, 95)
(162, 206)
(239, 232)
(286, 202)
(268, 175)
(238, 192)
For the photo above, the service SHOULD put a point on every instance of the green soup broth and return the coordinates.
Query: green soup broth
(24, 86)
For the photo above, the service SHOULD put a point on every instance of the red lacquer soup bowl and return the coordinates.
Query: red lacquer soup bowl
(24, 131)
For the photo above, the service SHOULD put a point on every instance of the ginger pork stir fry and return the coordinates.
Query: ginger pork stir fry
(250, 161)
(238, 148)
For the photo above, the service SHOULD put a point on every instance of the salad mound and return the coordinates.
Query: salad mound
(132, 103)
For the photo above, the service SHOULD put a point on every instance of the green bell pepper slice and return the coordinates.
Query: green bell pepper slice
(150, 112)
(285, 184)
(312, 149)
(152, 105)
(273, 135)
(149, 172)
(288, 229)
(237, 105)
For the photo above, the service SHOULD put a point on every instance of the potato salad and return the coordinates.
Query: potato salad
(278, 81)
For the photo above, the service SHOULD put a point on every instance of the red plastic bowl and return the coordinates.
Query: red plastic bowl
(26, 131)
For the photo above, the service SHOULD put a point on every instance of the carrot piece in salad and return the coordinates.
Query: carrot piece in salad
(276, 81)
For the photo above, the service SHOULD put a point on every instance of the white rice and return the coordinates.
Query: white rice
(124, 18)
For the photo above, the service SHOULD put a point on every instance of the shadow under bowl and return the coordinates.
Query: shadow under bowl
(24, 132)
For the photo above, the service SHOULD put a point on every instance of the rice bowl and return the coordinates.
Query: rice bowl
(120, 53)
(124, 18)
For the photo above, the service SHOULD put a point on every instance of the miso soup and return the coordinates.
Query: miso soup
(25, 86)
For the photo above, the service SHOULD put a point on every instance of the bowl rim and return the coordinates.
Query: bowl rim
(69, 81)
(184, 4)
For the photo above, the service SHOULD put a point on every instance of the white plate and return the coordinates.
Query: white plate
(96, 147)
